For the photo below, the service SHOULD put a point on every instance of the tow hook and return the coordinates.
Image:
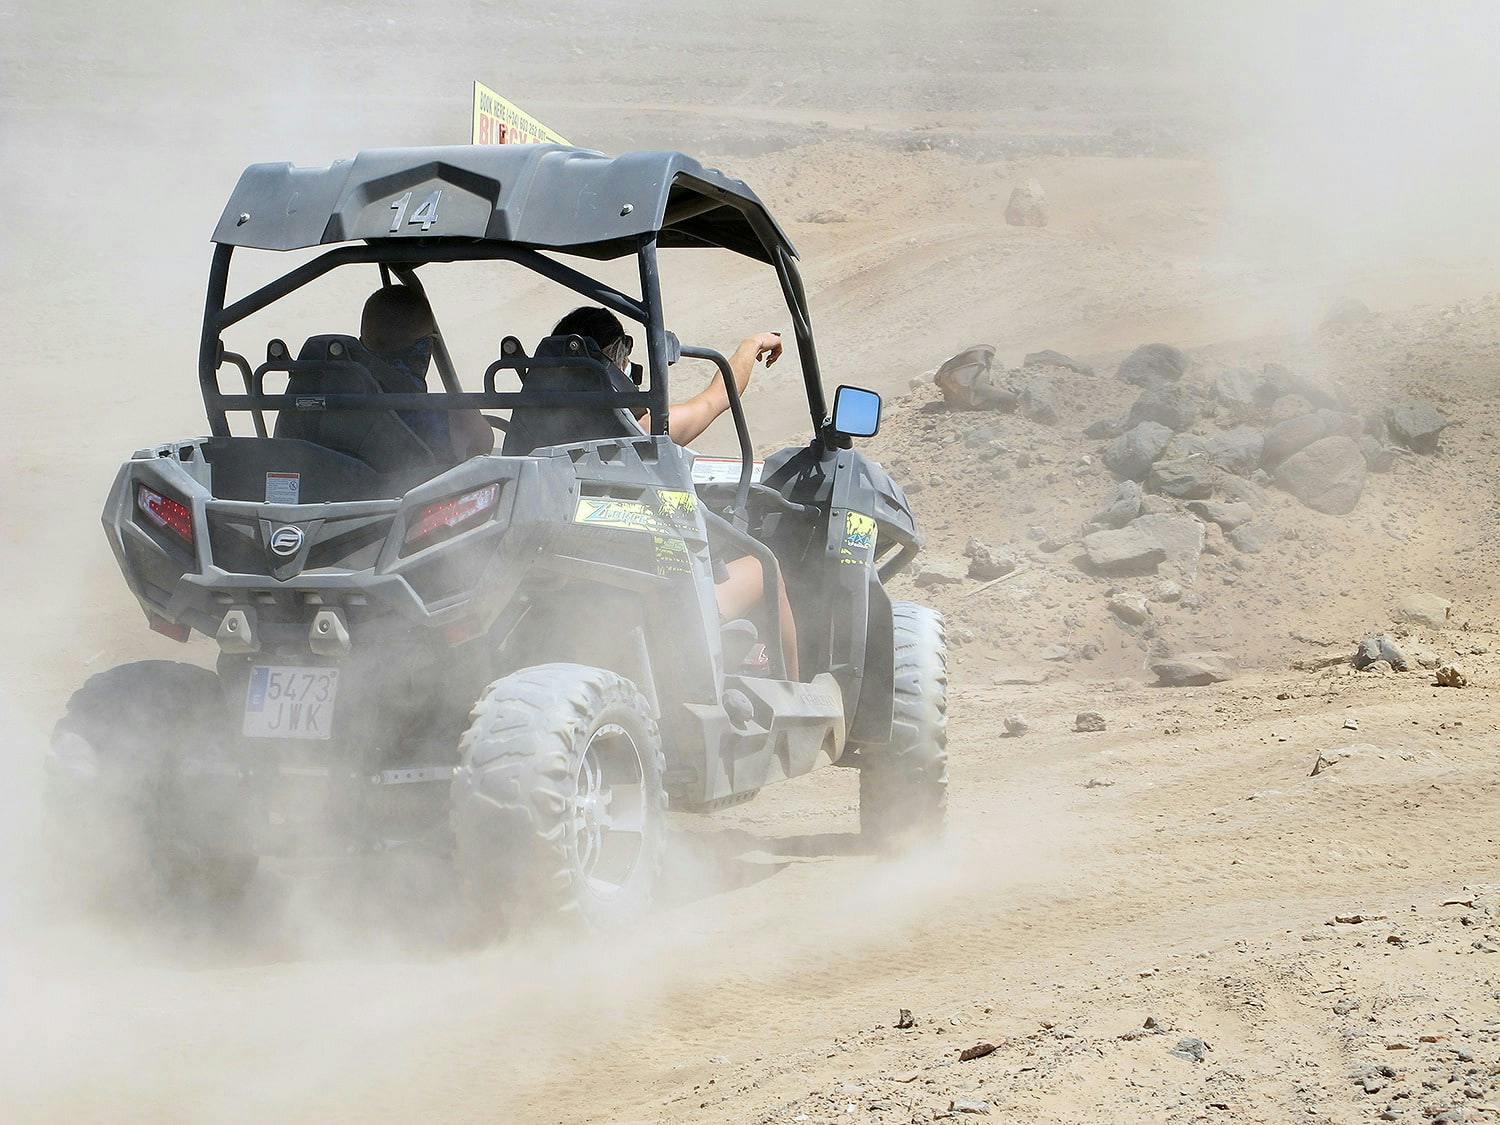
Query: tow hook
(237, 632)
(328, 636)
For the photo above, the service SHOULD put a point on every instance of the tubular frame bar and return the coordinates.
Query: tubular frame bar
(740, 513)
(217, 317)
(796, 302)
(416, 254)
(656, 333)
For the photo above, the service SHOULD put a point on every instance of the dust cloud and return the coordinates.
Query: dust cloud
(1353, 151)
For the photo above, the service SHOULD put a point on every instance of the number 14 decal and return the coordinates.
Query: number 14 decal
(424, 216)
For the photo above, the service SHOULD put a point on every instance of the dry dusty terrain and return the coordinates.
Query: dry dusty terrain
(1142, 921)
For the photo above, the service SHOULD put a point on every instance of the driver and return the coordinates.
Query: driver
(743, 583)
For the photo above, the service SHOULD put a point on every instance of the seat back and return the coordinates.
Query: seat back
(379, 438)
(536, 427)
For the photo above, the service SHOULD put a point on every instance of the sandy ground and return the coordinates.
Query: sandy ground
(1101, 900)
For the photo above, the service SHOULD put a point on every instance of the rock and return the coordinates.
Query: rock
(993, 396)
(1125, 506)
(1344, 1005)
(1380, 647)
(1055, 653)
(828, 215)
(1088, 722)
(1037, 403)
(1227, 516)
(1450, 675)
(1251, 539)
(969, 1105)
(1280, 381)
(1214, 541)
(1328, 476)
(1417, 425)
(1132, 454)
(1127, 550)
(1238, 451)
(1190, 1048)
(1347, 312)
(1027, 206)
(1325, 761)
(1422, 608)
(1187, 478)
(1170, 404)
(1130, 608)
(1181, 536)
(1286, 438)
(1016, 725)
(1166, 591)
(1050, 358)
(986, 562)
(939, 571)
(1236, 390)
(985, 436)
(1156, 506)
(967, 381)
(1104, 428)
(1191, 669)
(1287, 407)
(1152, 363)
(1184, 445)
(1379, 458)
(1243, 490)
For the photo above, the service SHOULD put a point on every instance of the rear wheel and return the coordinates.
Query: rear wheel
(559, 803)
(903, 784)
(140, 803)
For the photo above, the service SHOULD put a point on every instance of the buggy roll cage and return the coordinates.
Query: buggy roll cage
(507, 203)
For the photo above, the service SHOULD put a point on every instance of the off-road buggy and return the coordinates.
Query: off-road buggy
(515, 660)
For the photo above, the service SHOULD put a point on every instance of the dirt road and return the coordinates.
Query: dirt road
(1180, 866)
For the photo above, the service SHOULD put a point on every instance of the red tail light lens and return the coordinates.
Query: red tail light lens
(448, 517)
(164, 512)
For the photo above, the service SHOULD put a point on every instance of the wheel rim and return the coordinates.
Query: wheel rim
(609, 818)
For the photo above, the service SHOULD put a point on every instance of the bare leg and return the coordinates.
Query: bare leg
(742, 590)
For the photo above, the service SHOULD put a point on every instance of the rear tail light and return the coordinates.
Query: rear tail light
(165, 512)
(446, 518)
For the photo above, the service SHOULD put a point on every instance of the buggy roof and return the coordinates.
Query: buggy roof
(544, 196)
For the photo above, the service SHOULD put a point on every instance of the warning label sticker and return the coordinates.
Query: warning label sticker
(283, 488)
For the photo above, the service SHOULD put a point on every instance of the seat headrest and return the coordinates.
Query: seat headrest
(533, 427)
(581, 347)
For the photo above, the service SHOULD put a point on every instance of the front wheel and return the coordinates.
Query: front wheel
(903, 784)
(559, 803)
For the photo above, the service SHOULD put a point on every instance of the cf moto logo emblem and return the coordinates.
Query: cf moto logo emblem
(286, 541)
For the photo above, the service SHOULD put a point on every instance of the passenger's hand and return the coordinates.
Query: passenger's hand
(766, 344)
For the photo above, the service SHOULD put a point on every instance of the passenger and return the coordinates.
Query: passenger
(398, 327)
(744, 581)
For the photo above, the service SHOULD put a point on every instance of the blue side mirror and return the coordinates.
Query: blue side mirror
(856, 412)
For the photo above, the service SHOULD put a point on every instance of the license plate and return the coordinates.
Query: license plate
(290, 702)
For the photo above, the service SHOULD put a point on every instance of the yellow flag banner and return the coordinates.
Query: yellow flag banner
(499, 122)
